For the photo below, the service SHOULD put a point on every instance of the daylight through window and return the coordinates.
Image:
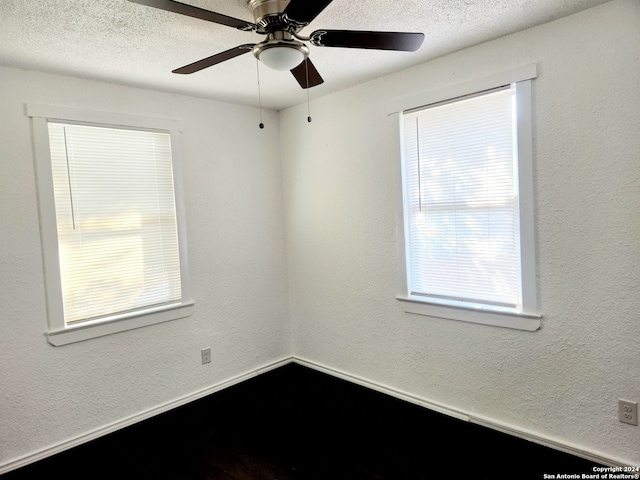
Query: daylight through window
(116, 219)
(112, 224)
(464, 245)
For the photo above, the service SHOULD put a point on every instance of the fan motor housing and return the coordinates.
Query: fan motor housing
(266, 11)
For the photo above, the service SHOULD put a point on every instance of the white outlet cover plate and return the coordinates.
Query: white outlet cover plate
(628, 412)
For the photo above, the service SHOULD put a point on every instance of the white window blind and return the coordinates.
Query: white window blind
(461, 208)
(116, 219)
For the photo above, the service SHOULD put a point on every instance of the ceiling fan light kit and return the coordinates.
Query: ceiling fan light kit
(280, 56)
(281, 52)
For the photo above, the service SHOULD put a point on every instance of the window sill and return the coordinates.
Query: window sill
(88, 330)
(518, 321)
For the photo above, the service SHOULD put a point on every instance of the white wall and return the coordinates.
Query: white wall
(233, 192)
(560, 383)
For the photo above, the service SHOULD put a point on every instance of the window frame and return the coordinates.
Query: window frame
(58, 332)
(527, 318)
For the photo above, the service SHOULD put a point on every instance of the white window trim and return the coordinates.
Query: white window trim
(529, 318)
(58, 332)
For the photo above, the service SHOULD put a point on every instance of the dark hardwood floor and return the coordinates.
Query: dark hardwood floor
(298, 424)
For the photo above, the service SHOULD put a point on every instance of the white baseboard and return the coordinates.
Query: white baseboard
(476, 419)
(125, 422)
(431, 405)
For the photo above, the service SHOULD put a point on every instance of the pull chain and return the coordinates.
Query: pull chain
(261, 125)
(306, 64)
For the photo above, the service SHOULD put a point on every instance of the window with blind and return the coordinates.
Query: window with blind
(465, 245)
(115, 259)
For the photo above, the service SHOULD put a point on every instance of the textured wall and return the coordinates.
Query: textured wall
(233, 195)
(561, 382)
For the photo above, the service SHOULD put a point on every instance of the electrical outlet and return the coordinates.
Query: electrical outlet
(205, 353)
(628, 412)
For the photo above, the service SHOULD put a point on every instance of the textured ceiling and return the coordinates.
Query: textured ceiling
(127, 43)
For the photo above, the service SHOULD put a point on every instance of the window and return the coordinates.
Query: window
(112, 223)
(467, 208)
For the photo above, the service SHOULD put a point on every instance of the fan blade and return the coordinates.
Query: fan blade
(406, 42)
(191, 11)
(304, 11)
(307, 68)
(215, 59)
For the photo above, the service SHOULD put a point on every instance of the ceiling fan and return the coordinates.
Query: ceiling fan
(284, 49)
